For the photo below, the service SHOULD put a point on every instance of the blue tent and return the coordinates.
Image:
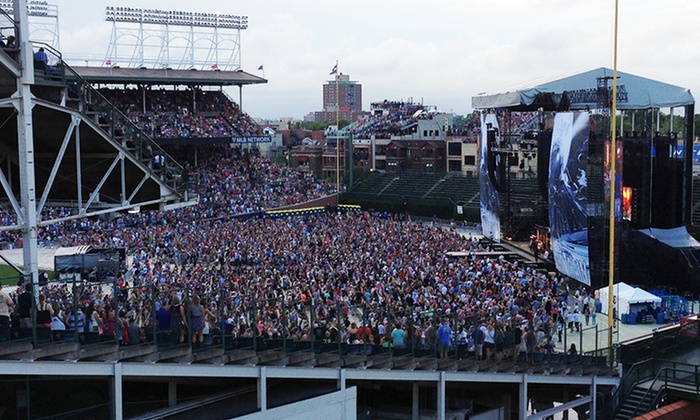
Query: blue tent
(634, 92)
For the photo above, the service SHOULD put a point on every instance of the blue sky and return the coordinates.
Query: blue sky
(441, 52)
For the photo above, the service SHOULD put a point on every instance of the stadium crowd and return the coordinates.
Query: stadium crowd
(190, 113)
(355, 277)
(350, 277)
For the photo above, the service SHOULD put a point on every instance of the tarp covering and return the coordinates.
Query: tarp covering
(634, 92)
(676, 237)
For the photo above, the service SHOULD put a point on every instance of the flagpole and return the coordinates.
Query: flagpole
(337, 134)
(613, 159)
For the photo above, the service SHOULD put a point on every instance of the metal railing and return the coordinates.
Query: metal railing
(659, 376)
(283, 325)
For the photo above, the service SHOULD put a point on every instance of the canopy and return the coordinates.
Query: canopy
(676, 237)
(634, 92)
(630, 299)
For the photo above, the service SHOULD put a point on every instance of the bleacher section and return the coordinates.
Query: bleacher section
(190, 113)
(460, 189)
(413, 185)
(375, 184)
(463, 190)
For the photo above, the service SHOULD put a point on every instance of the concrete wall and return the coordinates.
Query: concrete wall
(340, 405)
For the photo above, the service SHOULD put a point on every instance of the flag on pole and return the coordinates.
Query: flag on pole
(261, 67)
(215, 66)
(335, 69)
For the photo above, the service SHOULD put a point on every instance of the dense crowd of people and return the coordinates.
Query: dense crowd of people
(339, 277)
(190, 113)
(352, 277)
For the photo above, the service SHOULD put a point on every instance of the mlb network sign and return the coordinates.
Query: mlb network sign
(251, 139)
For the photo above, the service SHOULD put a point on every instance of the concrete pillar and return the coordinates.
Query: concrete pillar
(172, 394)
(117, 397)
(522, 412)
(441, 397)
(415, 411)
(594, 394)
(262, 389)
(341, 379)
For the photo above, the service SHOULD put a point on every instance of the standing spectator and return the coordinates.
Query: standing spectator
(24, 307)
(57, 325)
(134, 332)
(444, 335)
(44, 312)
(93, 318)
(478, 337)
(198, 314)
(178, 319)
(109, 322)
(76, 320)
(398, 336)
(163, 316)
(489, 341)
(592, 308)
(530, 344)
(6, 304)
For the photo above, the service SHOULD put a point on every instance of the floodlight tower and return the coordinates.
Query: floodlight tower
(42, 19)
(174, 39)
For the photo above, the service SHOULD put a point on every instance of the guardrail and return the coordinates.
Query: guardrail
(279, 325)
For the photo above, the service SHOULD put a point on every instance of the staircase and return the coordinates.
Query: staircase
(649, 381)
(95, 108)
(637, 402)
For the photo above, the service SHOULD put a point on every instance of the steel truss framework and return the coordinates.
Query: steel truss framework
(58, 148)
(89, 197)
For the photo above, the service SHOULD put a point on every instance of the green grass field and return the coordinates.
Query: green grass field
(8, 275)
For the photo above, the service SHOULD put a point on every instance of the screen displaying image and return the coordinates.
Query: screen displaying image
(568, 217)
(627, 203)
(490, 218)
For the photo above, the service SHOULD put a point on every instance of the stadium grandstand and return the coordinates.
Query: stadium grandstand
(245, 290)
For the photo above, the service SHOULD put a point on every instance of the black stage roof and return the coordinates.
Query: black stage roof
(117, 75)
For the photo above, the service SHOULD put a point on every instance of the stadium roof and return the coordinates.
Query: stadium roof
(634, 92)
(116, 75)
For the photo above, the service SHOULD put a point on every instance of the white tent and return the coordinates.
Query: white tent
(603, 295)
(629, 299)
(634, 300)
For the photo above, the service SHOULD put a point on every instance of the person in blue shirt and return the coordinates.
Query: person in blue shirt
(40, 58)
(398, 336)
(444, 334)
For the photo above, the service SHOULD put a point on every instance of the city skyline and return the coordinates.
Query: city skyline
(441, 53)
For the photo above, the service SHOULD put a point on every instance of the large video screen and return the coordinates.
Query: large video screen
(568, 216)
(490, 218)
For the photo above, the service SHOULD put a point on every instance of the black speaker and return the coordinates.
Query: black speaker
(544, 146)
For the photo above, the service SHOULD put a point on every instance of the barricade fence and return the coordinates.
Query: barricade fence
(163, 315)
